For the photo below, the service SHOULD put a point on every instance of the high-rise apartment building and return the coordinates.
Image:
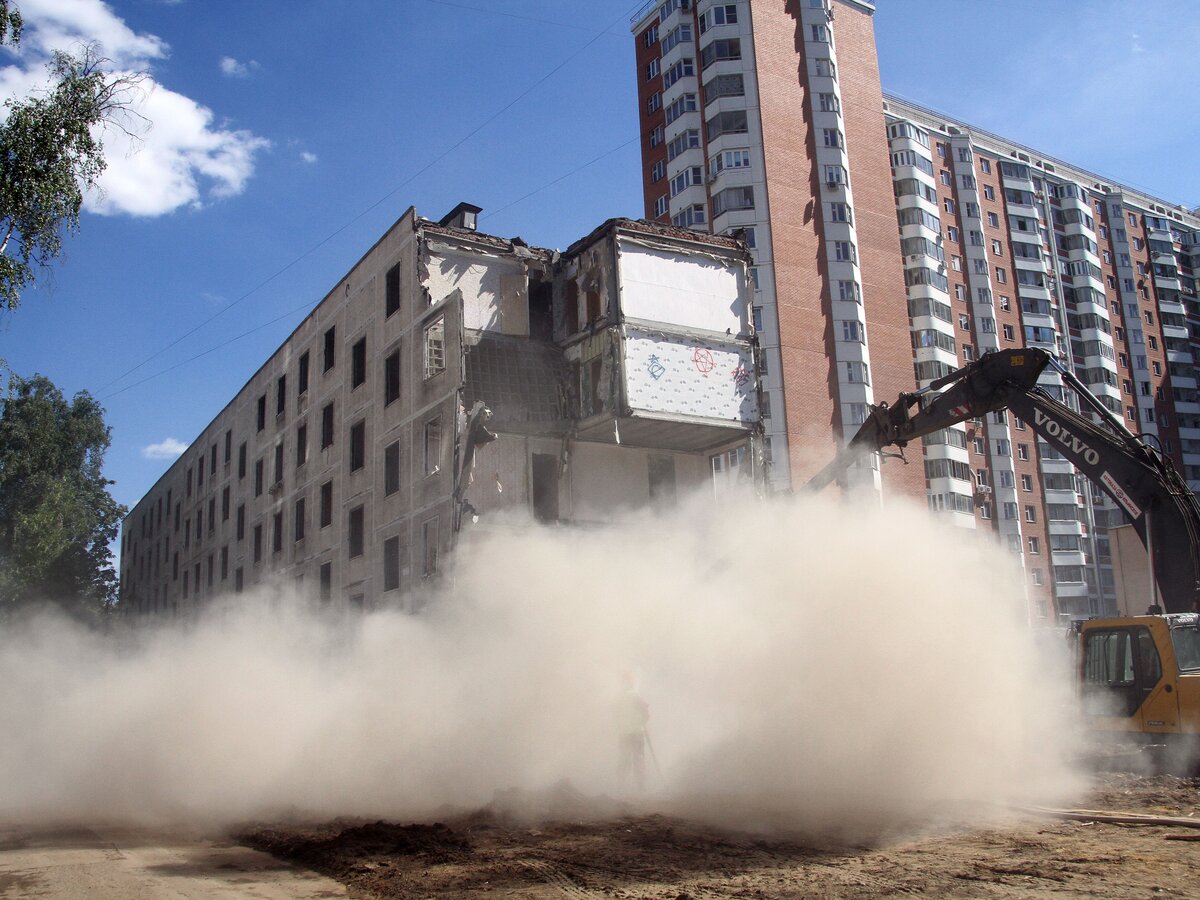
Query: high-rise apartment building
(892, 244)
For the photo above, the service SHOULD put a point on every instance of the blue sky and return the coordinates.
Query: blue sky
(286, 137)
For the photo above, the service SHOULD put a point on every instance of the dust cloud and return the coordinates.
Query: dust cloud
(806, 666)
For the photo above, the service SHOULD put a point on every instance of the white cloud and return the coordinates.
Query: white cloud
(169, 448)
(307, 157)
(234, 69)
(180, 156)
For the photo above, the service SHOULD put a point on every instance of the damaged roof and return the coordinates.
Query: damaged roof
(657, 229)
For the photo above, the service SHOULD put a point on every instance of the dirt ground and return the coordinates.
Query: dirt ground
(652, 856)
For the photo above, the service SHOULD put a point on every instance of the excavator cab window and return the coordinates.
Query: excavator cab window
(1120, 667)
(1187, 647)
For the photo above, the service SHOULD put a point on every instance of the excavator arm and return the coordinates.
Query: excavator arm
(1145, 484)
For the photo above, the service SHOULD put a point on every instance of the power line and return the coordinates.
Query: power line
(488, 121)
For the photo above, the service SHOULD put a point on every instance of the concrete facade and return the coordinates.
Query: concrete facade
(453, 381)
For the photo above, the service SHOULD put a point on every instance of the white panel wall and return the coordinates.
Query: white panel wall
(692, 291)
(686, 376)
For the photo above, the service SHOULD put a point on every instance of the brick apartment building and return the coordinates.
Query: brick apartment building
(891, 245)
(454, 382)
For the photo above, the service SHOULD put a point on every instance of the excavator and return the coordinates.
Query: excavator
(1138, 676)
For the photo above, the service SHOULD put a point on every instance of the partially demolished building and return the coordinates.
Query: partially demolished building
(454, 380)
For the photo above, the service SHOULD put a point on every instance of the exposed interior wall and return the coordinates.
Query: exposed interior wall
(494, 289)
(689, 290)
(607, 478)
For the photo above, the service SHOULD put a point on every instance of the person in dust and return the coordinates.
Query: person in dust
(632, 715)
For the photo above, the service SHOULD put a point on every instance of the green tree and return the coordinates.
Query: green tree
(56, 515)
(49, 155)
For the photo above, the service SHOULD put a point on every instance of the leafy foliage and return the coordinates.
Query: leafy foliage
(49, 155)
(56, 515)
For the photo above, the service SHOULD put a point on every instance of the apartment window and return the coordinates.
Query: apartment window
(825, 68)
(225, 504)
(429, 548)
(1030, 514)
(997, 248)
(852, 331)
(857, 373)
(298, 528)
(262, 412)
(1010, 510)
(358, 362)
(330, 348)
(964, 321)
(433, 446)
(985, 166)
(258, 478)
(820, 34)
(949, 205)
(278, 463)
(1034, 545)
(1009, 333)
(960, 292)
(952, 233)
(355, 531)
(302, 375)
(832, 138)
(326, 582)
(326, 504)
(1001, 276)
(661, 206)
(756, 315)
(228, 456)
(654, 102)
(241, 461)
(435, 347)
(301, 445)
(391, 378)
(835, 175)
(258, 543)
(358, 445)
(1022, 451)
(224, 562)
(993, 220)
(729, 159)
(731, 121)
(653, 69)
(659, 170)
(241, 521)
(1003, 448)
(989, 192)
(829, 103)
(725, 14)
(945, 177)
(848, 290)
(277, 533)
(1027, 482)
(391, 468)
(656, 136)
(733, 198)
(327, 426)
(239, 579)
(839, 212)
(212, 516)
(280, 395)
(843, 251)
(391, 564)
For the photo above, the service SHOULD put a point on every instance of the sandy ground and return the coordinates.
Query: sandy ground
(490, 854)
(122, 863)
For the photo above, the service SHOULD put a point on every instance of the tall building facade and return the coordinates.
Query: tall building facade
(452, 383)
(891, 245)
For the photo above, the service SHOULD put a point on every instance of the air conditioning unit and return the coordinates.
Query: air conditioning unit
(983, 488)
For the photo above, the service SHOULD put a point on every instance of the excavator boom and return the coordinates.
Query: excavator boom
(1145, 484)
